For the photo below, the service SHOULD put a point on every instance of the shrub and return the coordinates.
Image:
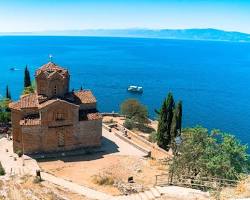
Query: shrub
(153, 137)
(103, 180)
(128, 123)
(210, 154)
(37, 180)
(2, 171)
(28, 90)
(133, 109)
(19, 153)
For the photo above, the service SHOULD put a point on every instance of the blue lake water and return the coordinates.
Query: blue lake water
(211, 78)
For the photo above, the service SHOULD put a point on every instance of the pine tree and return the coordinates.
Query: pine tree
(8, 95)
(27, 82)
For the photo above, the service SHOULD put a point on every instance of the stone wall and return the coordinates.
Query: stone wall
(16, 116)
(32, 138)
(69, 112)
(44, 139)
(88, 106)
(48, 87)
(90, 133)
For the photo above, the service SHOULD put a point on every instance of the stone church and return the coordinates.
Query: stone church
(54, 118)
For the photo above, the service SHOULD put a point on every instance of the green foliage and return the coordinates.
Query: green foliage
(135, 111)
(163, 138)
(29, 90)
(4, 110)
(2, 171)
(128, 123)
(215, 154)
(169, 122)
(27, 82)
(4, 117)
(153, 137)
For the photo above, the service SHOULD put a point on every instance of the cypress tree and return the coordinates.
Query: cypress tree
(8, 95)
(170, 112)
(27, 82)
(165, 121)
(162, 126)
(179, 117)
(176, 125)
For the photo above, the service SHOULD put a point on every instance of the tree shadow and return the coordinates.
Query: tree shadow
(145, 128)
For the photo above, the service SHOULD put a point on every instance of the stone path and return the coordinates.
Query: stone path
(15, 167)
(170, 192)
(73, 187)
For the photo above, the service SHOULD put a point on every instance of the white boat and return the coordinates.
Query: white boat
(136, 89)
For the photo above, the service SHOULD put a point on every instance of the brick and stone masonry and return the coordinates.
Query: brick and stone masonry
(53, 118)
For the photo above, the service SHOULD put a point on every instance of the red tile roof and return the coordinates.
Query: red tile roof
(29, 101)
(46, 103)
(50, 68)
(94, 116)
(85, 96)
(15, 105)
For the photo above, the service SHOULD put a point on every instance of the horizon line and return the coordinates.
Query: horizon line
(119, 29)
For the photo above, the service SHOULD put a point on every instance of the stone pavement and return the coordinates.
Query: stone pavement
(73, 187)
(14, 166)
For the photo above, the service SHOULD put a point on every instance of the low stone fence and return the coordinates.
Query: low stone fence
(156, 152)
(106, 127)
(126, 139)
(139, 142)
(112, 114)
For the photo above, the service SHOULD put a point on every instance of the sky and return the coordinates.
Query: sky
(47, 15)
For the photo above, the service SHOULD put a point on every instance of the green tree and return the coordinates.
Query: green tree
(29, 89)
(8, 95)
(209, 154)
(178, 113)
(163, 139)
(165, 117)
(27, 81)
(4, 110)
(176, 125)
(135, 111)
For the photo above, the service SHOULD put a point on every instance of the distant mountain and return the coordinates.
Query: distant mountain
(184, 34)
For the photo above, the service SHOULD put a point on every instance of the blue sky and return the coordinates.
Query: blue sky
(34, 15)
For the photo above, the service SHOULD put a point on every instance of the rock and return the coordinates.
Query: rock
(128, 188)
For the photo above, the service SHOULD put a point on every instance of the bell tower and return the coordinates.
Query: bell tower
(52, 80)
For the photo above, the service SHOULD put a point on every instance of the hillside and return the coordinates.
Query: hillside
(183, 34)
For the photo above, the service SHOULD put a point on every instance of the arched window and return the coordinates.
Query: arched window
(59, 116)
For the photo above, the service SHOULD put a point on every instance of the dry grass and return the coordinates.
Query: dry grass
(24, 189)
(158, 165)
(116, 167)
(1, 184)
(103, 180)
(242, 190)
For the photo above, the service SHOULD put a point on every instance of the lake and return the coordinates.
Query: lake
(211, 78)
